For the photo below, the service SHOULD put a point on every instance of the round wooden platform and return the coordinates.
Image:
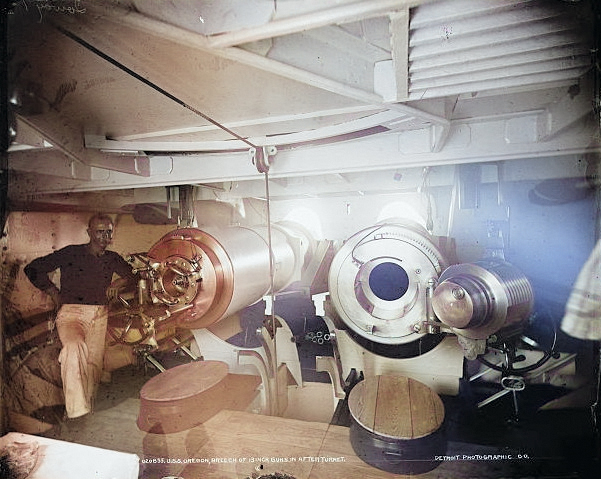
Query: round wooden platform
(184, 381)
(397, 424)
(397, 407)
(181, 397)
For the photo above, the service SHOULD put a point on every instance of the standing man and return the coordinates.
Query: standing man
(86, 285)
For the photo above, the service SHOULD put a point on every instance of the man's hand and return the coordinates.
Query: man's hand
(54, 293)
(112, 292)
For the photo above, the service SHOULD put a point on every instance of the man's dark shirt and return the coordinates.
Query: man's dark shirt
(84, 276)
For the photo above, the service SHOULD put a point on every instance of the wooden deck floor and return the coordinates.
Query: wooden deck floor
(240, 445)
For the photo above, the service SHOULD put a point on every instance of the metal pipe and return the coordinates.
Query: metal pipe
(168, 193)
(152, 360)
(185, 349)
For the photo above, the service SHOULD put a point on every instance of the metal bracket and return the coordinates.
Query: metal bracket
(513, 383)
(261, 157)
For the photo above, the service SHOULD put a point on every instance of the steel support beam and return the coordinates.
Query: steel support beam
(466, 143)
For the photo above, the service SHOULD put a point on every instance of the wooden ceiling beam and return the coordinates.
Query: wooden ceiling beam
(352, 12)
(201, 43)
(49, 162)
(331, 131)
(66, 137)
(353, 111)
(399, 42)
(571, 108)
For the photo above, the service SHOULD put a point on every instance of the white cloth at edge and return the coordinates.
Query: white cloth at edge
(66, 460)
(582, 317)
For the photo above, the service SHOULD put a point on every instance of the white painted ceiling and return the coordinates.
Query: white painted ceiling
(124, 94)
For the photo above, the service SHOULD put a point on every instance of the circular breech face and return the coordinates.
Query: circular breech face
(379, 289)
(185, 276)
(178, 286)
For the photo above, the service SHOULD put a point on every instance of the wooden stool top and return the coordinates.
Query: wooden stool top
(184, 381)
(396, 406)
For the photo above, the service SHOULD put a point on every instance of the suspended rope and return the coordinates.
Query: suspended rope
(272, 319)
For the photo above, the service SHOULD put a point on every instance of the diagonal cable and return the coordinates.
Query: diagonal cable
(152, 85)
